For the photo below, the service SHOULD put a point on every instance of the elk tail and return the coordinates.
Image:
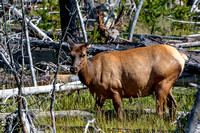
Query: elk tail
(184, 56)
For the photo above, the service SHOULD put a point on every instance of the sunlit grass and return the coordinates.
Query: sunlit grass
(134, 116)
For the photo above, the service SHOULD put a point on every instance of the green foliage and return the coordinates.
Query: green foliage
(181, 13)
(152, 10)
(96, 35)
(154, 14)
(48, 21)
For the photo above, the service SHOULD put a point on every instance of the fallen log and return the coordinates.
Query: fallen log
(72, 113)
(195, 51)
(192, 68)
(185, 81)
(60, 114)
(51, 34)
(76, 113)
(157, 36)
(41, 80)
(8, 93)
(187, 45)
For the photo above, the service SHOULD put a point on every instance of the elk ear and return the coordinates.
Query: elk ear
(89, 42)
(71, 43)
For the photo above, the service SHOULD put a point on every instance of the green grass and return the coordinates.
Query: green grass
(134, 118)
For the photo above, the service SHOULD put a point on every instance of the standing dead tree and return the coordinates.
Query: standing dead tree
(6, 53)
(57, 68)
(135, 20)
(66, 12)
(25, 31)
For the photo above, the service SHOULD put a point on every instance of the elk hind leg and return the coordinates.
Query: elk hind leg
(117, 102)
(161, 96)
(172, 105)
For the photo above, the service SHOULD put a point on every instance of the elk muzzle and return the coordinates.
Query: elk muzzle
(73, 70)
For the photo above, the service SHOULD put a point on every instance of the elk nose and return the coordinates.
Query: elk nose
(73, 69)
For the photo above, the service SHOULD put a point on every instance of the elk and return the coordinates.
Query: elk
(130, 73)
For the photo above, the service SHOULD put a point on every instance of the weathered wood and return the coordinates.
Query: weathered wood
(81, 22)
(76, 113)
(192, 68)
(130, 36)
(51, 34)
(194, 51)
(116, 4)
(60, 114)
(187, 45)
(157, 36)
(67, 12)
(184, 81)
(40, 34)
(180, 21)
(42, 89)
(41, 80)
(25, 30)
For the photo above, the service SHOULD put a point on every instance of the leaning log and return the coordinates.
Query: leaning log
(40, 34)
(8, 93)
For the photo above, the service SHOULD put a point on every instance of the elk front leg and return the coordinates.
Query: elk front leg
(117, 102)
(99, 103)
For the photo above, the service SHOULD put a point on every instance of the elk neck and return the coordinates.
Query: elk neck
(86, 72)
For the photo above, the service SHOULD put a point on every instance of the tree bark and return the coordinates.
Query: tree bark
(67, 8)
(190, 2)
(81, 22)
(25, 30)
(9, 93)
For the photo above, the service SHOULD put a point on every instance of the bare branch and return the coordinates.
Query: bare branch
(39, 33)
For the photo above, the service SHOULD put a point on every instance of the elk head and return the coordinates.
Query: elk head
(78, 55)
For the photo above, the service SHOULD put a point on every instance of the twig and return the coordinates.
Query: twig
(55, 79)
(180, 21)
(39, 33)
(6, 34)
(81, 21)
(116, 4)
(92, 123)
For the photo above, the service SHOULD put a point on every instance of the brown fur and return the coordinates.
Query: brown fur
(130, 73)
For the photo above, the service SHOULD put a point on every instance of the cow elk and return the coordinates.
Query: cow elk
(125, 74)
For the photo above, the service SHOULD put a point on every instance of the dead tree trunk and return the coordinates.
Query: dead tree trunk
(25, 30)
(190, 2)
(67, 9)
